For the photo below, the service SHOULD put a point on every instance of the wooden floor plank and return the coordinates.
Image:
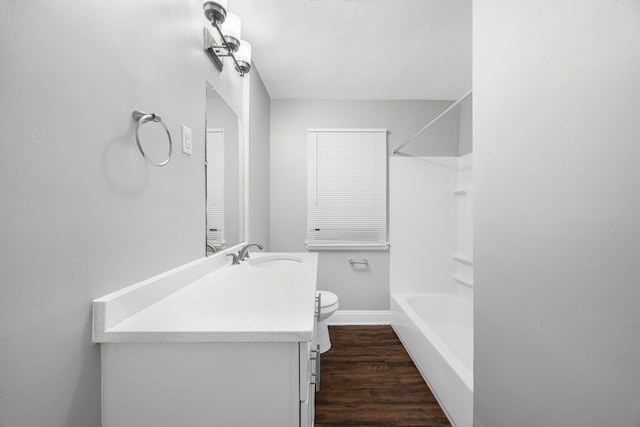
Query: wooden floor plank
(369, 380)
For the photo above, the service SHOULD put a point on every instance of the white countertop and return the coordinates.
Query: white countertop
(234, 303)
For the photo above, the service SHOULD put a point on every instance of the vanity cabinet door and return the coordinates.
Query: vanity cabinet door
(307, 408)
(200, 384)
(309, 380)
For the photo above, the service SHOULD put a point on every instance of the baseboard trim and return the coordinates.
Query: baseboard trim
(360, 317)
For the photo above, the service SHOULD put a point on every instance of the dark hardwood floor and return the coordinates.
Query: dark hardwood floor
(368, 379)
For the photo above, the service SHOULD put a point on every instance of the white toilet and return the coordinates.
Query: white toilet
(329, 305)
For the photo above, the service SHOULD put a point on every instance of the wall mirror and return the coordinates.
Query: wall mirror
(223, 174)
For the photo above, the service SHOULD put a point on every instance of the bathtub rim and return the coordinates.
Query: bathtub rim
(453, 360)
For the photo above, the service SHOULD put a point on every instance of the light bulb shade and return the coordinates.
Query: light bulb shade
(244, 53)
(243, 56)
(231, 30)
(215, 10)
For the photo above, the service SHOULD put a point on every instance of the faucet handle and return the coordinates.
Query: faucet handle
(234, 261)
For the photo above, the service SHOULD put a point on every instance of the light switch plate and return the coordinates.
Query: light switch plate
(186, 140)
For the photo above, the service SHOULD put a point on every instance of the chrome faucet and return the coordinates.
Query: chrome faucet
(234, 261)
(244, 252)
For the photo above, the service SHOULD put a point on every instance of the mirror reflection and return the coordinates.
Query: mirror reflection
(223, 174)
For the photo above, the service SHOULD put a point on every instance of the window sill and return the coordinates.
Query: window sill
(347, 246)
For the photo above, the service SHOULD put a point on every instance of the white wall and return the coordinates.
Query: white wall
(259, 130)
(358, 289)
(556, 155)
(82, 213)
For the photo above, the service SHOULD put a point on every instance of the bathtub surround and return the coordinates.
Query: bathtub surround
(426, 237)
(82, 213)
(556, 148)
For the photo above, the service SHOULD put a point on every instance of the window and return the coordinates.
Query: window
(347, 189)
(215, 187)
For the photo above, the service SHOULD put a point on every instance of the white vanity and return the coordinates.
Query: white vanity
(212, 344)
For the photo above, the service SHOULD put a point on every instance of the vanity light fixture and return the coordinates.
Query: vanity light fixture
(228, 27)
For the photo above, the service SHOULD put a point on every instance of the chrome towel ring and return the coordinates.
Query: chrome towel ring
(141, 117)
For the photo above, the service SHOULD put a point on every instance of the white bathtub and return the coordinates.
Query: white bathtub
(437, 331)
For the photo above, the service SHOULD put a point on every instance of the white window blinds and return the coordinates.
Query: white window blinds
(215, 187)
(347, 189)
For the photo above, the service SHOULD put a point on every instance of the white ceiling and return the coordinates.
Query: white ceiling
(360, 49)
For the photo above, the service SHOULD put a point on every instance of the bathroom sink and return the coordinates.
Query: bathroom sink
(275, 261)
